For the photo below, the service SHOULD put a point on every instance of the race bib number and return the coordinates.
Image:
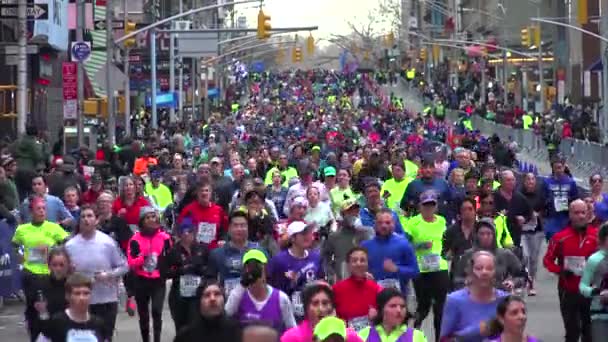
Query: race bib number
(75, 335)
(231, 284)
(390, 283)
(298, 306)
(560, 203)
(358, 323)
(431, 262)
(38, 255)
(206, 232)
(575, 264)
(188, 284)
(150, 263)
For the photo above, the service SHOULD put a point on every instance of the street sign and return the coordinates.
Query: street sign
(116, 24)
(34, 11)
(13, 49)
(81, 51)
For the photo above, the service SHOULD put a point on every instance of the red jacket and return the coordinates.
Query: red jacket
(562, 247)
(145, 253)
(132, 215)
(363, 290)
(211, 222)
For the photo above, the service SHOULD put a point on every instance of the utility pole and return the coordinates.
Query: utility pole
(541, 78)
(126, 66)
(109, 65)
(172, 73)
(405, 27)
(80, 72)
(181, 73)
(153, 76)
(604, 49)
(22, 67)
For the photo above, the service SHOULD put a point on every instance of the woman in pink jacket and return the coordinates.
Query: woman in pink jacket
(318, 299)
(146, 255)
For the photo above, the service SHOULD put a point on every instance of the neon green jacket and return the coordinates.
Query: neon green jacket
(394, 336)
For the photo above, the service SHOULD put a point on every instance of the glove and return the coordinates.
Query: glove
(595, 291)
(135, 250)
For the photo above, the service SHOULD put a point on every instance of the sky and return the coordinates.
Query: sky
(332, 16)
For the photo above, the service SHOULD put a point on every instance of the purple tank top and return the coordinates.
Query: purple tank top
(270, 313)
(407, 336)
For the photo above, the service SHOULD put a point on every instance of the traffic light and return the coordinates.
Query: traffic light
(537, 36)
(390, 39)
(582, 12)
(310, 45)
(296, 55)
(130, 27)
(525, 37)
(423, 54)
(263, 25)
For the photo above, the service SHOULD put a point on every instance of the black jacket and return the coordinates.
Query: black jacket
(180, 262)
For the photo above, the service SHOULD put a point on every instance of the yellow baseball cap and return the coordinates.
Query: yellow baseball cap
(330, 326)
(255, 254)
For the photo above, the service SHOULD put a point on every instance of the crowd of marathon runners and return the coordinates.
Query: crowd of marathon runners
(317, 209)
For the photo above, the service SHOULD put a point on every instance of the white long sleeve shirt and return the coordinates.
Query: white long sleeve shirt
(98, 254)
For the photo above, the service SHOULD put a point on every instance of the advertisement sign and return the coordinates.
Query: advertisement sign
(70, 90)
(55, 28)
(166, 100)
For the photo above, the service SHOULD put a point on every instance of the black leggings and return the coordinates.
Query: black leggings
(431, 290)
(150, 291)
(129, 281)
(107, 312)
(182, 309)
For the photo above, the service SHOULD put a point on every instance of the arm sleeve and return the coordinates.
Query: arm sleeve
(448, 319)
(551, 256)
(120, 266)
(446, 243)
(585, 285)
(59, 234)
(234, 300)
(408, 267)
(287, 311)
(64, 212)
(134, 256)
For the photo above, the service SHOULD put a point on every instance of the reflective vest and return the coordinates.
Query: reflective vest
(527, 121)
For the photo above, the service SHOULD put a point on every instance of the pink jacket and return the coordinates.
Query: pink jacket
(303, 333)
(145, 251)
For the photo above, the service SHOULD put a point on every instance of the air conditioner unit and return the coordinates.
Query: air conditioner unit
(182, 25)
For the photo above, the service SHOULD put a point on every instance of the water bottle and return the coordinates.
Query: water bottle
(40, 298)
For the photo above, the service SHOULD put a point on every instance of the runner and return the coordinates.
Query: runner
(255, 301)
(510, 321)
(293, 268)
(389, 323)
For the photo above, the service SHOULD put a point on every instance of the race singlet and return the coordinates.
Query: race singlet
(206, 232)
(75, 335)
(188, 283)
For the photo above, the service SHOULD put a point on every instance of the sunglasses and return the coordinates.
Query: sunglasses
(596, 180)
